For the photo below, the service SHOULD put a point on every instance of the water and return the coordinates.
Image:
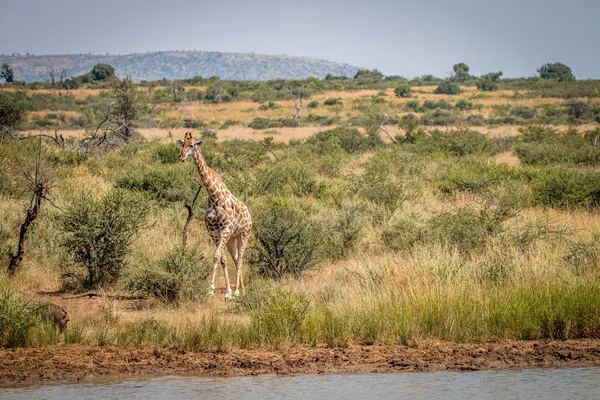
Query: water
(581, 383)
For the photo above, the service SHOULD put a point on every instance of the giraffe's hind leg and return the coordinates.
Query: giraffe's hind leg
(241, 243)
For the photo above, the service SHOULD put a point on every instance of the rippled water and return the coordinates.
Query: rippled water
(579, 383)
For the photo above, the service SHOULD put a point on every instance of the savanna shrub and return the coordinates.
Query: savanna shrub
(466, 228)
(350, 139)
(402, 90)
(332, 101)
(457, 142)
(345, 226)
(265, 123)
(403, 230)
(486, 85)
(168, 153)
(464, 105)
(181, 274)
(161, 182)
(286, 239)
(567, 188)
(447, 87)
(313, 104)
(99, 235)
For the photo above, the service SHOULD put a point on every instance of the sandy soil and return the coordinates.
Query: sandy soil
(76, 363)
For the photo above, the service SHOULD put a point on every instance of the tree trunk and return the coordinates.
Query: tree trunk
(32, 214)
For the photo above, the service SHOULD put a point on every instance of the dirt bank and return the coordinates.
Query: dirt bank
(75, 362)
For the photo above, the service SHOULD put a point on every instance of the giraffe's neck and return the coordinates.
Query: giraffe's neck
(214, 187)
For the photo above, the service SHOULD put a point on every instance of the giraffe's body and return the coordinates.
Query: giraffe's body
(227, 218)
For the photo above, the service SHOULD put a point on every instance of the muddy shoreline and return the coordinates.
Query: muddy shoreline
(72, 363)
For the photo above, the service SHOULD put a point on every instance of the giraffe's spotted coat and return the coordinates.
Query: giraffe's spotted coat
(227, 218)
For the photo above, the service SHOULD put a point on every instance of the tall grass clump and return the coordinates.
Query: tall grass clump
(16, 319)
(99, 233)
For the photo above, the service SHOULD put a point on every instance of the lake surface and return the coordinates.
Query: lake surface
(577, 383)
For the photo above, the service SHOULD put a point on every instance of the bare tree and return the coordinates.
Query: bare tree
(63, 75)
(38, 183)
(52, 73)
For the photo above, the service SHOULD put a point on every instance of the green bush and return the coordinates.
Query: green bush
(265, 123)
(99, 235)
(161, 182)
(332, 101)
(447, 87)
(345, 226)
(403, 230)
(313, 104)
(464, 105)
(567, 188)
(168, 153)
(486, 85)
(286, 239)
(181, 274)
(457, 142)
(466, 228)
(350, 139)
(403, 90)
(543, 145)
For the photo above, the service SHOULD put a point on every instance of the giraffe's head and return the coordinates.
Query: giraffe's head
(188, 146)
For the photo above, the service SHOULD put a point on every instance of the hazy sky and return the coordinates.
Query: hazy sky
(408, 38)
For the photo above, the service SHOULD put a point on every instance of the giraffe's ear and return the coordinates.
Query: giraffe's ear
(180, 142)
(199, 143)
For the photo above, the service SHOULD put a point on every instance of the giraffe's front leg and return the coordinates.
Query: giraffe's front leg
(219, 257)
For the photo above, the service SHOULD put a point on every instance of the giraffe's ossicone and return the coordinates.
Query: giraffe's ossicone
(227, 218)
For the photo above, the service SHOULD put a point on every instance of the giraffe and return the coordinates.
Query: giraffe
(227, 219)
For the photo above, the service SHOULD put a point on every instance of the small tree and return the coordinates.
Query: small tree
(99, 235)
(461, 72)
(7, 74)
(557, 71)
(447, 87)
(102, 72)
(403, 90)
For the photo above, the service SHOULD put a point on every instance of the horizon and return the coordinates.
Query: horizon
(397, 39)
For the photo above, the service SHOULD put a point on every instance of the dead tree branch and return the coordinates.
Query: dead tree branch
(190, 210)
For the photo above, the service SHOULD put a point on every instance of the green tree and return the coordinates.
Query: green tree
(403, 90)
(557, 71)
(7, 74)
(461, 72)
(102, 72)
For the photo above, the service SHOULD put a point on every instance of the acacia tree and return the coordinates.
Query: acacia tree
(461, 72)
(557, 71)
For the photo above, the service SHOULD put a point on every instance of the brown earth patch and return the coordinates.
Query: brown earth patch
(77, 362)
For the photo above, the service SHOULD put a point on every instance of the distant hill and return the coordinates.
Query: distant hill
(178, 65)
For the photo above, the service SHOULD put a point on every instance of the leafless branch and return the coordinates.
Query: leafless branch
(190, 210)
